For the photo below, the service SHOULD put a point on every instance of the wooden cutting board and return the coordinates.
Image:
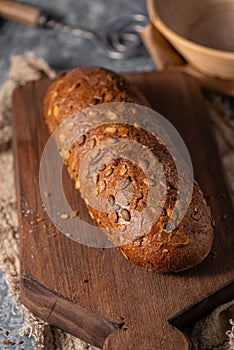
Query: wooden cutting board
(96, 294)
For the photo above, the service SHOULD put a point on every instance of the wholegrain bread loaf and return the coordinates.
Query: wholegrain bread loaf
(190, 242)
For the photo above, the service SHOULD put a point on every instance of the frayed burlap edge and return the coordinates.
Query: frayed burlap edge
(230, 335)
(23, 69)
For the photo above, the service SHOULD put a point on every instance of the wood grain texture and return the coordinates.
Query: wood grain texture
(96, 294)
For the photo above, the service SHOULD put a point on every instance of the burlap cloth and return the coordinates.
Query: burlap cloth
(214, 332)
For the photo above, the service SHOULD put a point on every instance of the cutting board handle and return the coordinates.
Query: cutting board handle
(20, 13)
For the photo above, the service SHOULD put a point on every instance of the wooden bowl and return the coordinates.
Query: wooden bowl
(200, 30)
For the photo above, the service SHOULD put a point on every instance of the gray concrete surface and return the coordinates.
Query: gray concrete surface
(64, 51)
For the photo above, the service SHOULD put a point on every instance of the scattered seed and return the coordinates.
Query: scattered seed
(56, 111)
(70, 125)
(115, 162)
(81, 140)
(39, 219)
(111, 115)
(64, 216)
(92, 113)
(169, 212)
(102, 167)
(74, 213)
(204, 201)
(97, 156)
(77, 184)
(125, 214)
(123, 170)
(122, 184)
(123, 132)
(101, 186)
(62, 137)
(116, 207)
(137, 243)
(124, 254)
(125, 202)
(195, 217)
(8, 342)
(91, 215)
(164, 251)
(49, 112)
(93, 142)
(111, 200)
(110, 129)
(114, 217)
(144, 164)
(109, 172)
(47, 194)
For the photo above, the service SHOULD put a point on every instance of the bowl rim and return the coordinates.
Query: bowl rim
(163, 28)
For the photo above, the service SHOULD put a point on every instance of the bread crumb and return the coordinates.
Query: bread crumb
(64, 216)
(77, 184)
(39, 219)
(56, 111)
(74, 213)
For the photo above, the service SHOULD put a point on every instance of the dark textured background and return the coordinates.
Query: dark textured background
(61, 51)
(64, 51)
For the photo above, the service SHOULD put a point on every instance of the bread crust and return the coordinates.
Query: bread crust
(86, 87)
(157, 249)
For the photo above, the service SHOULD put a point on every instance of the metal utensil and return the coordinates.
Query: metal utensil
(125, 42)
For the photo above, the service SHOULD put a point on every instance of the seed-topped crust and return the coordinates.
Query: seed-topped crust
(122, 183)
(86, 87)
